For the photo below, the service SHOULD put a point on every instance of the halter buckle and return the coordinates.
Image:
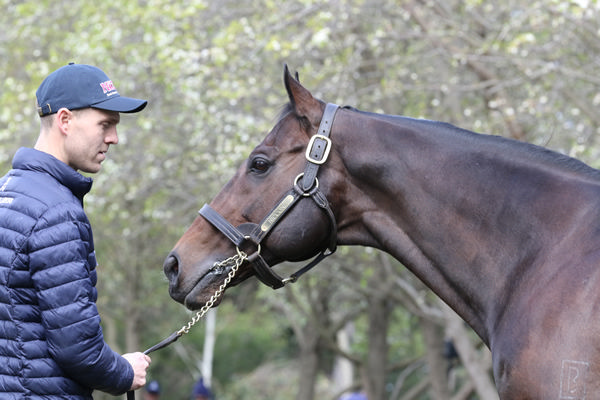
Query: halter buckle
(318, 149)
(290, 279)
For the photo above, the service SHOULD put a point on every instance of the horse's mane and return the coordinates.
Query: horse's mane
(510, 146)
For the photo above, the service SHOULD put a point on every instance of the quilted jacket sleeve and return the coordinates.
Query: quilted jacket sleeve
(62, 266)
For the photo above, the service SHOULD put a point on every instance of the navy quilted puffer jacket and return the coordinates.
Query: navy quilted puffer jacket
(51, 342)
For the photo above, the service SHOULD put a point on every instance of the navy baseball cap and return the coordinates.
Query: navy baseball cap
(77, 86)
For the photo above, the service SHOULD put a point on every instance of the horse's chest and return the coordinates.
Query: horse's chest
(549, 350)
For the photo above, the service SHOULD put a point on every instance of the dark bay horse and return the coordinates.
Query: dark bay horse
(505, 232)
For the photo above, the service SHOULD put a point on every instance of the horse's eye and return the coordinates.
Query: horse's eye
(259, 165)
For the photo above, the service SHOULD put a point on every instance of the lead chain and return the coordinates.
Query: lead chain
(236, 261)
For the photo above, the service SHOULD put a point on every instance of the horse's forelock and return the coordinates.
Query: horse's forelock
(285, 110)
(289, 109)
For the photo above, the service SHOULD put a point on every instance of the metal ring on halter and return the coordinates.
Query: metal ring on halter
(241, 254)
(313, 188)
(252, 256)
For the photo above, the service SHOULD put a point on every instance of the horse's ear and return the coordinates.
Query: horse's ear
(303, 102)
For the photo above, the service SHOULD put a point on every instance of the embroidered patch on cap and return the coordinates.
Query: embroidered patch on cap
(108, 87)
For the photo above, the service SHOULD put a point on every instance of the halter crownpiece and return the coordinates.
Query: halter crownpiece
(306, 184)
(319, 146)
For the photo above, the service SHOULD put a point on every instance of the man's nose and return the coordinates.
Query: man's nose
(113, 137)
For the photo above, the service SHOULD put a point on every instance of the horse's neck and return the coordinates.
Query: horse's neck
(451, 207)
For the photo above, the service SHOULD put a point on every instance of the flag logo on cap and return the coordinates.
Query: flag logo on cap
(108, 87)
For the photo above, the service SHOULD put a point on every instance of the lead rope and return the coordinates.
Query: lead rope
(235, 262)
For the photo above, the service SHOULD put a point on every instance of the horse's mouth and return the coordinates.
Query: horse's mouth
(205, 287)
(209, 285)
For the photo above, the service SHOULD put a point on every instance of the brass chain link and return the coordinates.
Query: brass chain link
(235, 261)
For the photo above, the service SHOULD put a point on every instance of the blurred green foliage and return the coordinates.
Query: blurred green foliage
(212, 74)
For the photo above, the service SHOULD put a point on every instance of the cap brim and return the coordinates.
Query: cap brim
(121, 104)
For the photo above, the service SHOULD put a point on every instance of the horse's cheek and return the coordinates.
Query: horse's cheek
(298, 241)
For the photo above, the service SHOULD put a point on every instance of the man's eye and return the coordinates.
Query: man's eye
(259, 165)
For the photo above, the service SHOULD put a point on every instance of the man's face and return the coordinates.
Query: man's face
(91, 134)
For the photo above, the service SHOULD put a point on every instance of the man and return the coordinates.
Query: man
(152, 391)
(201, 392)
(51, 342)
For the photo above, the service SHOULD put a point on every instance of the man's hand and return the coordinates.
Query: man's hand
(140, 363)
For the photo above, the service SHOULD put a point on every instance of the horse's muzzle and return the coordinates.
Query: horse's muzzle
(171, 270)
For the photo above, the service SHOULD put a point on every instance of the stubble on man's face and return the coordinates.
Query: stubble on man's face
(92, 133)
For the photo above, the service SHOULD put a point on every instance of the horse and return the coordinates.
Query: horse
(505, 232)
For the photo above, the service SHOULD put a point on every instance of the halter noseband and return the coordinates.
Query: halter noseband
(305, 185)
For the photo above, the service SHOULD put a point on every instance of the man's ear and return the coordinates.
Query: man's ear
(63, 120)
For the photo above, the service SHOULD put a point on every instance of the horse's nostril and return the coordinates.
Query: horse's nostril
(171, 267)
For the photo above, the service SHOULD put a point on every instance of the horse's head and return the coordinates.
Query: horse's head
(269, 209)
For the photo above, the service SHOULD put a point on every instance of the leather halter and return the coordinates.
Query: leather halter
(305, 185)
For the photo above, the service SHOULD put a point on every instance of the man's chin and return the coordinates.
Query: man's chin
(91, 169)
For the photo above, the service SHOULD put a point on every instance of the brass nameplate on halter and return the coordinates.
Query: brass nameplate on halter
(321, 145)
(276, 213)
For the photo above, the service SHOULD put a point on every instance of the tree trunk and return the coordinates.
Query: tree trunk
(380, 309)
(343, 370)
(309, 363)
(209, 346)
(438, 365)
(477, 368)
(132, 296)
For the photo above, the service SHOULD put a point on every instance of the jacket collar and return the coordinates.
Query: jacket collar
(35, 160)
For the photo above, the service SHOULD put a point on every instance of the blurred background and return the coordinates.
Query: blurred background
(212, 72)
